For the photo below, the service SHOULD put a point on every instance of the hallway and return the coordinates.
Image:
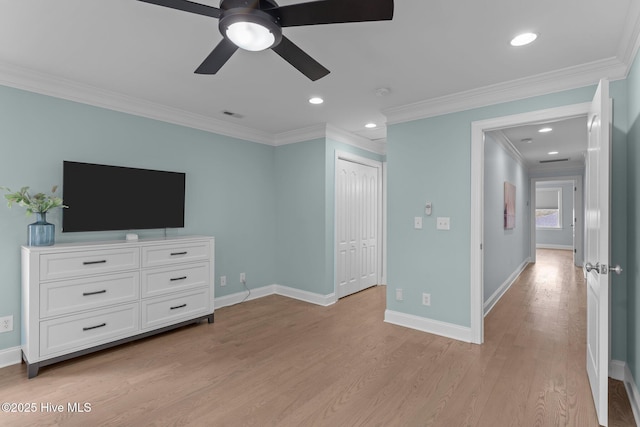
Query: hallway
(539, 326)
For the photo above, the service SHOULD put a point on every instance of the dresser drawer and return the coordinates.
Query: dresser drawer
(74, 264)
(80, 331)
(160, 255)
(161, 311)
(75, 295)
(160, 281)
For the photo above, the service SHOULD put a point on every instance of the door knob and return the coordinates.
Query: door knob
(617, 269)
(588, 267)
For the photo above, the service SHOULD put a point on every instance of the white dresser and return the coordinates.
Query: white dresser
(80, 298)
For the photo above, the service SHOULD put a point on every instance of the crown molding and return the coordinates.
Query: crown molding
(329, 131)
(300, 135)
(45, 84)
(541, 84)
(630, 36)
(506, 144)
(340, 135)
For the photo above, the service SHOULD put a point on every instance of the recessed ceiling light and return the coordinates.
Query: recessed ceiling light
(370, 125)
(383, 91)
(545, 130)
(523, 39)
(527, 140)
(551, 153)
(316, 100)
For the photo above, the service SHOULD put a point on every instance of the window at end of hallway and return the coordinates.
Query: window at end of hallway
(549, 208)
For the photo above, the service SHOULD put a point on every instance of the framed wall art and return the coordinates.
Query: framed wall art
(509, 206)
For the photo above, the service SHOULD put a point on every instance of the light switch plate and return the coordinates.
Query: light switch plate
(443, 223)
(417, 222)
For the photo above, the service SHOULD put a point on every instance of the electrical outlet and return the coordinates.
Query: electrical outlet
(443, 223)
(399, 295)
(243, 278)
(426, 299)
(223, 280)
(6, 324)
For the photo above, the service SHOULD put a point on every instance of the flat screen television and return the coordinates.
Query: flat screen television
(103, 197)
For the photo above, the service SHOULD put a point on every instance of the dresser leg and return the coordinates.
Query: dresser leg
(32, 369)
(210, 318)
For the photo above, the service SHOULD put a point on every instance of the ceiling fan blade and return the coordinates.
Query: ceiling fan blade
(187, 6)
(217, 58)
(299, 59)
(334, 12)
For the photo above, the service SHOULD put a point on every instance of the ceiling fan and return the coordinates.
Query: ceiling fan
(256, 25)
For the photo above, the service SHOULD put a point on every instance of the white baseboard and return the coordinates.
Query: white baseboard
(310, 297)
(10, 356)
(431, 326)
(306, 296)
(619, 370)
(493, 299)
(239, 297)
(551, 246)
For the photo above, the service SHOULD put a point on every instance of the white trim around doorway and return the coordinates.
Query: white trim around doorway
(478, 130)
(381, 241)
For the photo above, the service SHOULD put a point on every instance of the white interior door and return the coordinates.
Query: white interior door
(357, 224)
(597, 248)
(346, 233)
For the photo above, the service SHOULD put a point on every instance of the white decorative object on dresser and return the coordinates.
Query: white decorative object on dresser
(81, 298)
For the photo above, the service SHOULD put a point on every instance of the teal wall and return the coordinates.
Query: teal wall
(430, 159)
(300, 219)
(230, 183)
(504, 250)
(305, 205)
(633, 222)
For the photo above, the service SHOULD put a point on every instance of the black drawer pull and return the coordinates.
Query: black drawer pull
(178, 253)
(94, 327)
(86, 294)
(175, 279)
(178, 306)
(102, 261)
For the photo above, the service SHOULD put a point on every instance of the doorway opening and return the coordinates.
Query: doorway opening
(478, 131)
(557, 207)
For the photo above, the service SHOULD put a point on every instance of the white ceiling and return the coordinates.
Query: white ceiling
(567, 137)
(140, 57)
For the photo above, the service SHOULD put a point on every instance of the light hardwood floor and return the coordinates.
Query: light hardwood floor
(277, 361)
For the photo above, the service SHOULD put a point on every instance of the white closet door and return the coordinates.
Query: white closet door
(357, 226)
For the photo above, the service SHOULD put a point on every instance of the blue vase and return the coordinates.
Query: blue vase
(41, 233)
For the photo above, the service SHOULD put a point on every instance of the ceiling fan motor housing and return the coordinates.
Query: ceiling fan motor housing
(236, 11)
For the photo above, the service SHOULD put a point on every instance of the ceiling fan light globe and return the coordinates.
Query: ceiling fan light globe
(250, 36)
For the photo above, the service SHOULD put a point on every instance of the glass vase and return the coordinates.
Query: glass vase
(41, 233)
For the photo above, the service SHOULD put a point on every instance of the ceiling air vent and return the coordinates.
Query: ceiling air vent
(554, 161)
(232, 114)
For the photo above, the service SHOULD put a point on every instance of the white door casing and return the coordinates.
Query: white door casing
(598, 248)
(478, 129)
(358, 223)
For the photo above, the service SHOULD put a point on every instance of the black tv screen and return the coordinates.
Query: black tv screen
(102, 198)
